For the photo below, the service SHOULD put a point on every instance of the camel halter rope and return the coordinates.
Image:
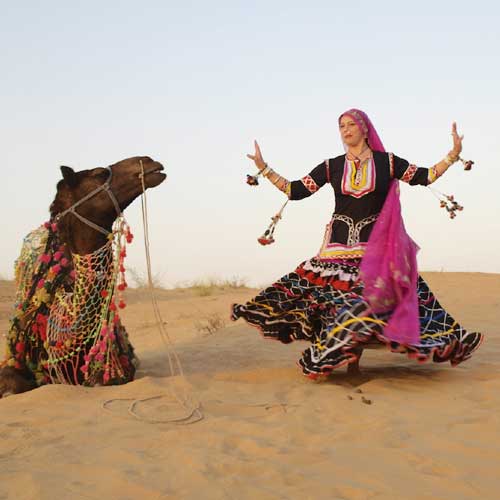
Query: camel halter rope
(104, 187)
(189, 403)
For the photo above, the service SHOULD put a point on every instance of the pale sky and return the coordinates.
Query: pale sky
(192, 84)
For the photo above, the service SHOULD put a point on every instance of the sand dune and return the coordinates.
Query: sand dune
(404, 431)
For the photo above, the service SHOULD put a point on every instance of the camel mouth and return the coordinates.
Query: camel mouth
(156, 168)
(154, 176)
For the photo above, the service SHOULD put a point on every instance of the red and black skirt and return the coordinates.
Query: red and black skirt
(321, 302)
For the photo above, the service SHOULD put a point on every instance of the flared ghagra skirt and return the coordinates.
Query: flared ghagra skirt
(322, 302)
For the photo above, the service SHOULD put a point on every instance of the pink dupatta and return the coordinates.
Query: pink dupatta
(389, 266)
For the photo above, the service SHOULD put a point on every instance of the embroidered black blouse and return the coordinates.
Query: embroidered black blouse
(359, 196)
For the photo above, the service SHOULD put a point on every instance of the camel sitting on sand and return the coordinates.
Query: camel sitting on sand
(66, 326)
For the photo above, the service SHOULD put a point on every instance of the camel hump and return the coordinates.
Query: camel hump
(28, 261)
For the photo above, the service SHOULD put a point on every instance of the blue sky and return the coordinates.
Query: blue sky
(193, 83)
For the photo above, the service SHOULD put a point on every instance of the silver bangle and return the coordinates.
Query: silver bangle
(265, 171)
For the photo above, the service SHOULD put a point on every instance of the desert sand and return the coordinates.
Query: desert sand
(430, 431)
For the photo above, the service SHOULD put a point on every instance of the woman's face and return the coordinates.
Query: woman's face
(351, 134)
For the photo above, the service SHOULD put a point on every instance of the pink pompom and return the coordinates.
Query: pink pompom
(45, 258)
(56, 269)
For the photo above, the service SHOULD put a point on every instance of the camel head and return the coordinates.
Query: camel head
(125, 185)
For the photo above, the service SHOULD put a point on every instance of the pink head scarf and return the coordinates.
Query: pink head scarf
(389, 266)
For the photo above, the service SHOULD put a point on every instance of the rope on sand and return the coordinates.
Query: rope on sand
(184, 397)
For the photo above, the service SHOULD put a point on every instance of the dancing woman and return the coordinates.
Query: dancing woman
(363, 285)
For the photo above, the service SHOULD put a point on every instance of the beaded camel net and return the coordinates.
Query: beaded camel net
(66, 328)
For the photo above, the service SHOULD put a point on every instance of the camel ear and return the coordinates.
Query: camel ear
(69, 176)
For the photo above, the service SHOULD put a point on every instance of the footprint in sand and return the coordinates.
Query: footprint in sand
(17, 438)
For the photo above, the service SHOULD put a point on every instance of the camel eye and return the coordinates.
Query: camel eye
(99, 172)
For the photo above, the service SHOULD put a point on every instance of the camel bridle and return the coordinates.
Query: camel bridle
(104, 187)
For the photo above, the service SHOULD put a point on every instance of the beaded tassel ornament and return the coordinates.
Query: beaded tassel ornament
(267, 237)
(447, 201)
(253, 180)
(466, 163)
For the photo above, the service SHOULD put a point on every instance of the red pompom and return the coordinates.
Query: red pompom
(45, 258)
(56, 269)
(263, 240)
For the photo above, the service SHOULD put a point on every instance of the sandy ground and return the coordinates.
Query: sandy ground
(431, 431)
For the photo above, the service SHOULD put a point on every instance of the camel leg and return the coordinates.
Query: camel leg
(12, 381)
(353, 368)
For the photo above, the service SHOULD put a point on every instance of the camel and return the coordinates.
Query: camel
(66, 326)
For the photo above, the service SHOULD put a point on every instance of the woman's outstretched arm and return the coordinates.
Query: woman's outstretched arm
(298, 189)
(280, 182)
(411, 174)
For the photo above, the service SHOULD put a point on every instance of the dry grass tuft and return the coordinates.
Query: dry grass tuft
(210, 324)
(209, 286)
(140, 280)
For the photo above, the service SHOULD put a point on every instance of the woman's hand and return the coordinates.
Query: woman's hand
(257, 157)
(457, 141)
